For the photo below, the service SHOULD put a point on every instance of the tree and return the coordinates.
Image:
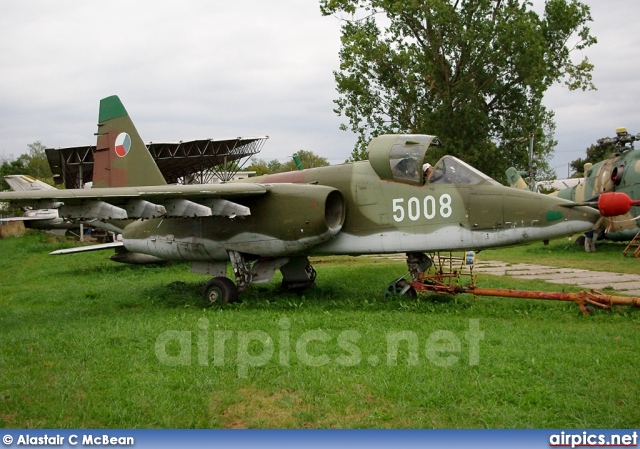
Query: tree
(33, 163)
(262, 167)
(595, 154)
(471, 72)
(36, 162)
(259, 166)
(308, 159)
(275, 166)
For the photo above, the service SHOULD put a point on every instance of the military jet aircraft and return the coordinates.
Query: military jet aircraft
(262, 224)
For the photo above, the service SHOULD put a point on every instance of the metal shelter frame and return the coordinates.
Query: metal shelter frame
(198, 161)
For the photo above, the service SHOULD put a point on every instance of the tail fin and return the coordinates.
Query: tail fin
(121, 158)
(515, 179)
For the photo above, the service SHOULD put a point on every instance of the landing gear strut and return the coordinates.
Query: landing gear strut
(418, 263)
(221, 289)
(297, 276)
(241, 269)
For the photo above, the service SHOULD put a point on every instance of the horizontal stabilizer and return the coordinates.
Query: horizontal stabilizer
(84, 249)
(12, 219)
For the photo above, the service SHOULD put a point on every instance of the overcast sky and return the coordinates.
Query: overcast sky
(214, 69)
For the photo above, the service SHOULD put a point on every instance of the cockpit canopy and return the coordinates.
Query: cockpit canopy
(399, 158)
(451, 170)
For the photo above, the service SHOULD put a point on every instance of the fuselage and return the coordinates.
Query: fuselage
(465, 212)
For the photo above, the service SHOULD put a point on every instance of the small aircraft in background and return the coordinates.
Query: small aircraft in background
(40, 219)
(49, 220)
(259, 225)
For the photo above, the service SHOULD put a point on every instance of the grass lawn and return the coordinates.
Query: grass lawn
(89, 343)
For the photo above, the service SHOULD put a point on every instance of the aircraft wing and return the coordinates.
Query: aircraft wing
(84, 249)
(141, 202)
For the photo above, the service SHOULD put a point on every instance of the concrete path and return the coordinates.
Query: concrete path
(625, 284)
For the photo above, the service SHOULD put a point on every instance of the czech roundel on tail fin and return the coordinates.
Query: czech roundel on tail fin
(121, 159)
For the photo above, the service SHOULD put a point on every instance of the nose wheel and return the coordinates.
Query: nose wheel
(401, 287)
(220, 290)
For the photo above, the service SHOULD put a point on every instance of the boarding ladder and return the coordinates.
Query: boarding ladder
(633, 247)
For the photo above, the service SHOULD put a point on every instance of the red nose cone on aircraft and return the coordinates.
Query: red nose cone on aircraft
(611, 204)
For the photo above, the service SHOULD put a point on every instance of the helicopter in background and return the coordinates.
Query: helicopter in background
(620, 172)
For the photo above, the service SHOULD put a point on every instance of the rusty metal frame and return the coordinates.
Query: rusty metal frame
(446, 277)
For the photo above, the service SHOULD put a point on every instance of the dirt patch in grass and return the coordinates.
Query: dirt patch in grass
(251, 408)
(255, 408)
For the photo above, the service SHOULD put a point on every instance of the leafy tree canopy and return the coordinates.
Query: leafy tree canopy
(472, 72)
(33, 163)
(595, 154)
(308, 159)
(605, 147)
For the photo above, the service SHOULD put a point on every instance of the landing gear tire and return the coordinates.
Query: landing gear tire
(401, 288)
(220, 290)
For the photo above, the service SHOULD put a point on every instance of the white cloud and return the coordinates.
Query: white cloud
(211, 68)
(584, 117)
(183, 70)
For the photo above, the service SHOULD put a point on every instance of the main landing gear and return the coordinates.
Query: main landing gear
(220, 289)
(297, 275)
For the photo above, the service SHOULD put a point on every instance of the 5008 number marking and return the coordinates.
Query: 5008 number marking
(427, 208)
